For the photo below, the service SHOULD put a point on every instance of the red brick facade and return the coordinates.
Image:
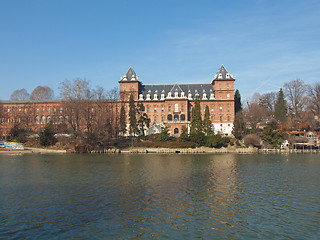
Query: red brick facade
(164, 104)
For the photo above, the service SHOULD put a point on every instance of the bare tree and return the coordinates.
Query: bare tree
(20, 95)
(295, 92)
(314, 99)
(75, 97)
(268, 100)
(41, 93)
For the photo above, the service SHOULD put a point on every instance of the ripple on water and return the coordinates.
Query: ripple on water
(160, 197)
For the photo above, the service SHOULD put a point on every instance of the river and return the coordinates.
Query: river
(151, 196)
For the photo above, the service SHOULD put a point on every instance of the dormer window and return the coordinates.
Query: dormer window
(182, 94)
(148, 97)
(189, 96)
(176, 94)
(155, 96)
(141, 97)
(204, 96)
(211, 96)
(162, 96)
(220, 75)
(169, 94)
(227, 76)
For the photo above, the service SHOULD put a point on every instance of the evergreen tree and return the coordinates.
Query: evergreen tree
(47, 136)
(273, 138)
(144, 120)
(196, 128)
(164, 135)
(184, 136)
(122, 121)
(133, 130)
(239, 126)
(207, 122)
(280, 111)
(237, 101)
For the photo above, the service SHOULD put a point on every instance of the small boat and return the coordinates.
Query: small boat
(12, 145)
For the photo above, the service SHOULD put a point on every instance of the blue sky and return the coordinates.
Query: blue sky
(262, 43)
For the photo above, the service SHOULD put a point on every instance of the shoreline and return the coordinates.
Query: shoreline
(141, 150)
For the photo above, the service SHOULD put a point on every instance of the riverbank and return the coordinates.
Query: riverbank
(32, 151)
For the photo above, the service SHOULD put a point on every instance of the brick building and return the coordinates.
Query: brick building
(165, 104)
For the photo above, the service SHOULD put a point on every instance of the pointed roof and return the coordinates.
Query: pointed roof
(176, 88)
(223, 74)
(129, 76)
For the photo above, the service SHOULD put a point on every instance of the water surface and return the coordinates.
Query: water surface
(151, 196)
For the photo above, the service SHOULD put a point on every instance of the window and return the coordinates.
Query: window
(228, 109)
(37, 120)
(220, 95)
(148, 109)
(43, 120)
(169, 108)
(182, 108)
(49, 110)
(211, 119)
(176, 118)
(155, 120)
(228, 118)
(42, 110)
(220, 118)
(48, 119)
(169, 118)
(227, 84)
(155, 109)
(212, 109)
(132, 86)
(162, 109)
(176, 131)
(37, 110)
(176, 107)
(220, 109)
(182, 117)
(228, 95)
(162, 119)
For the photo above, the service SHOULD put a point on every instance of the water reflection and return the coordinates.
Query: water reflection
(159, 196)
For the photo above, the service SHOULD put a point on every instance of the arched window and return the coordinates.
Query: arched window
(43, 120)
(169, 118)
(176, 118)
(48, 119)
(54, 119)
(182, 117)
(176, 131)
(60, 119)
(37, 119)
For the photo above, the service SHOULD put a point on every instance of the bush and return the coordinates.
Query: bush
(217, 141)
(252, 140)
(47, 136)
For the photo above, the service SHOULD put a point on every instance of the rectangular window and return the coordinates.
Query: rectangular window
(169, 108)
(211, 109)
(148, 109)
(228, 109)
(220, 109)
(182, 108)
(162, 110)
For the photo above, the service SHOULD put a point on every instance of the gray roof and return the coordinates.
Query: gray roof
(129, 76)
(223, 74)
(186, 88)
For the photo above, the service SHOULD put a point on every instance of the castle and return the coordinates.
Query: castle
(164, 104)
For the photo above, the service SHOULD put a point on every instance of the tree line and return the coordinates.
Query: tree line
(268, 116)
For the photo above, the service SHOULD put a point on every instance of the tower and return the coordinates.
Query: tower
(129, 85)
(223, 86)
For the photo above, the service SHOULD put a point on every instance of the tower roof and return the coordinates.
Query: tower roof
(129, 76)
(223, 74)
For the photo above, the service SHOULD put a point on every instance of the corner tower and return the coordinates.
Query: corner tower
(129, 85)
(223, 84)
